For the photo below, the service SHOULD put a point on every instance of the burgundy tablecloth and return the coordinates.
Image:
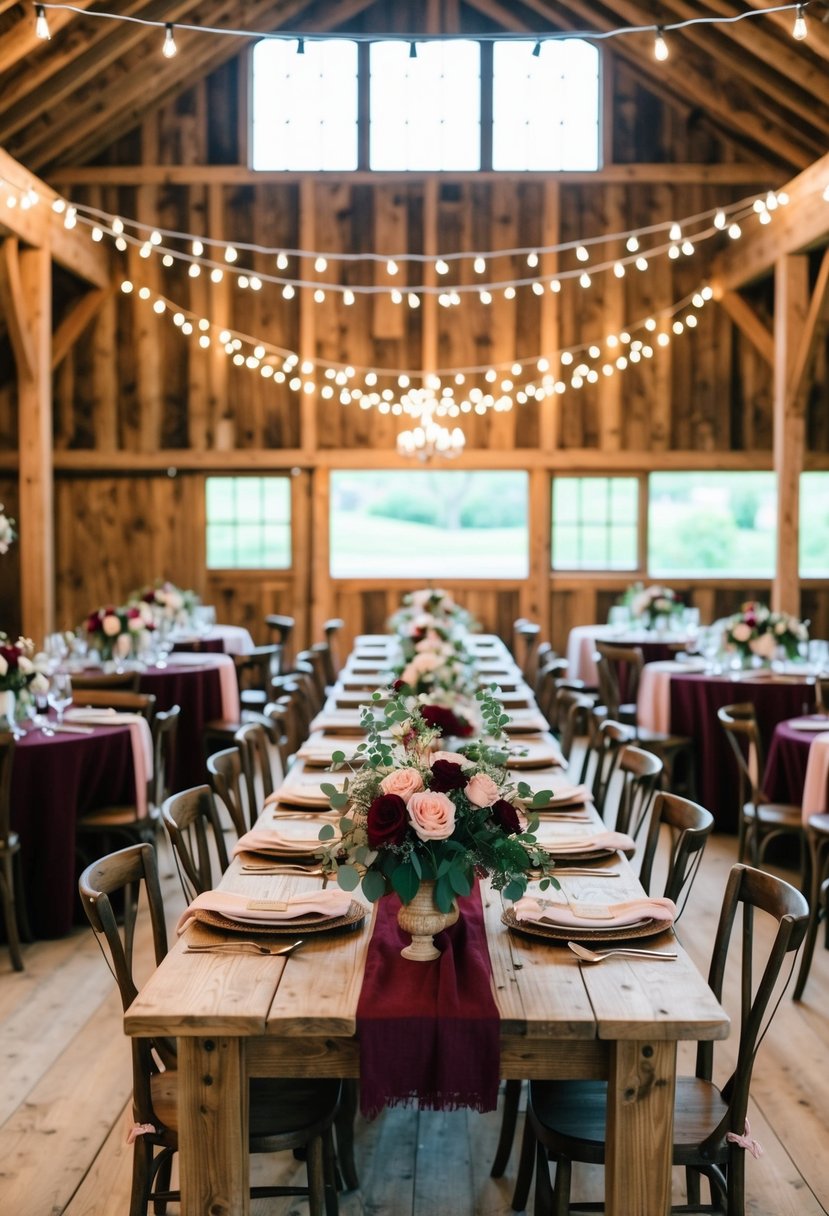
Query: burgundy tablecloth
(54, 782)
(786, 763)
(695, 700)
(429, 1031)
(199, 693)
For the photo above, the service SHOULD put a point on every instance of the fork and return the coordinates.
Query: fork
(243, 947)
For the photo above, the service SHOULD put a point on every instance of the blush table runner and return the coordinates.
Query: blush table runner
(429, 1031)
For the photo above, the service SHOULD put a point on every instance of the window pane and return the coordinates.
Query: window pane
(814, 525)
(545, 107)
(248, 522)
(595, 523)
(304, 107)
(425, 112)
(425, 524)
(708, 523)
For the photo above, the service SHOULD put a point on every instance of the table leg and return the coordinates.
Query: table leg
(213, 1128)
(640, 1119)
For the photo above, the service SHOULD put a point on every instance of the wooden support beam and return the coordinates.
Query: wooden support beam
(81, 314)
(36, 488)
(814, 330)
(791, 304)
(13, 306)
(749, 324)
(21, 40)
(73, 248)
(802, 223)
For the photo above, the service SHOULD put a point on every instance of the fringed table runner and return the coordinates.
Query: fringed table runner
(429, 1031)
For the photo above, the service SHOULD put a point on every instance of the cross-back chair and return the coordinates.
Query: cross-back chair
(566, 1120)
(601, 758)
(528, 637)
(12, 899)
(258, 673)
(760, 820)
(817, 834)
(284, 1115)
(689, 826)
(109, 681)
(571, 717)
(288, 728)
(224, 771)
(252, 741)
(639, 772)
(124, 701)
(283, 627)
(331, 629)
(195, 832)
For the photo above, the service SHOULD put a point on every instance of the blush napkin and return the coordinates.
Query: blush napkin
(328, 903)
(429, 1031)
(629, 912)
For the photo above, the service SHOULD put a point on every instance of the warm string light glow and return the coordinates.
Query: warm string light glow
(400, 392)
(536, 39)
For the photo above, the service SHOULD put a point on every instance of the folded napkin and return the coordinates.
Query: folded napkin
(611, 916)
(286, 836)
(304, 791)
(563, 795)
(328, 903)
(141, 742)
(597, 842)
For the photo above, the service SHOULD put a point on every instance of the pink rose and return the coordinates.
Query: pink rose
(481, 790)
(452, 757)
(741, 632)
(111, 625)
(404, 782)
(432, 815)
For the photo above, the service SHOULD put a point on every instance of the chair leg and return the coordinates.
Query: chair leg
(561, 1190)
(23, 923)
(316, 1177)
(344, 1124)
(162, 1183)
(140, 1189)
(523, 1180)
(543, 1205)
(816, 867)
(329, 1165)
(736, 1181)
(10, 912)
(509, 1118)
(692, 1186)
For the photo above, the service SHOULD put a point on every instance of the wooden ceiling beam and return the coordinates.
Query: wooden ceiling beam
(817, 36)
(801, 224)
(13, 307)
(762, 73)
(73, 248)
(812, 335)
(80, 315)
(71, 63)
(21, 40)
(749, 323)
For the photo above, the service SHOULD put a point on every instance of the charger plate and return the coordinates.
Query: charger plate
(308, 924)
(581, 855)
(577, 933)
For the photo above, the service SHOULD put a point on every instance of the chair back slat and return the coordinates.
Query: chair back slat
(164, 732)
(743, 734)
(195, 832)
(224, 770)
(106, 698)
(252, 741)
(619, 669)
(690, 825)
(640, 772)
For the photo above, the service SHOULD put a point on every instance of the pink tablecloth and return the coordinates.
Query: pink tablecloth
(581, 645)
(797, 767)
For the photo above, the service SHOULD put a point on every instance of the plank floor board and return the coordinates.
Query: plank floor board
(65, 1079)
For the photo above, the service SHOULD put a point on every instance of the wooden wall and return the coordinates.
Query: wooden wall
(141, 413)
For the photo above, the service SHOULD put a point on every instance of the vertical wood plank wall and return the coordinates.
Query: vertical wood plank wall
(143, 414)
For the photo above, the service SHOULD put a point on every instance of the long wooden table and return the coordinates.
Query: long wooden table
(241, 1016)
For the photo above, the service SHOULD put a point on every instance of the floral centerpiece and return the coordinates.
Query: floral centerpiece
(430, 612)
(168, 602)
(7, 532)
(416, 815)
(116, 632)
(756, 631)
(647, 604)
(21, 671)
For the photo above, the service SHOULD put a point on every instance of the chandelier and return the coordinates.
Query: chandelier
(429, 438)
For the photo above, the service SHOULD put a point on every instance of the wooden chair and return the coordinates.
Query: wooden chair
(284, 1115)
(571, 717)
(640, 772)
(224, 770)
(287, 732)
(619, 669)
(566, 1119)
(690, 825)
(125, 702)
(283, 627)
(528, 638)
(125, 681)
(258, 673)
(196, 835)
(11, 879)
(331, 628)
(601, 758)
(760, 820)
(817, 835)
(252, 741)
(121, 824)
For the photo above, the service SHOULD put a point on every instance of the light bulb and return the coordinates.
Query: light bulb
(632, 244)
(169, 50)
(391, 265)
(41, 24)
(441, 267)
(479, 265)
(320, 265)
(719, 219)
(582, 254)
(230, 254)
(660, 47)
(799, 30)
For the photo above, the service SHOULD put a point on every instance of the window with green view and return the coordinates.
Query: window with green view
(248, 523)
(595, 523)
(424, 523)
(814, 525)
(703, 524)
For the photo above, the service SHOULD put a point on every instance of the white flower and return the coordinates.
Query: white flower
(765, 645)
(741, 632)
(4, 666)
(24, 665)
(40, 685)
(111, 625)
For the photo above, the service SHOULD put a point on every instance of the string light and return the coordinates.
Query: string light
(660, 46)
(169, 50)
(41, 24)
(588, 35)
(799, 30)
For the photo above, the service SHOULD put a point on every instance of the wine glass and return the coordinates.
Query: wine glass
(60, 693)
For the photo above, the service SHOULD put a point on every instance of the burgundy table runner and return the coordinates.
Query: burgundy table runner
(429, 1031)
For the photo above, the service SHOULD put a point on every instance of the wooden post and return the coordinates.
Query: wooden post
(791, 305)
(30, 306)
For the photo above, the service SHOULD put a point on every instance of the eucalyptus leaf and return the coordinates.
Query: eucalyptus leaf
(348, 878)
(374, 885)
(515, 888)
(542, 798)
(327, 832)
(405, 882)
(338, 757)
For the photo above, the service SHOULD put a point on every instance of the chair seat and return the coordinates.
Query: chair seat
(116, 817)
(580, 1107)
(775, 814)
(285, 1110)
(819, 824)
(655, 738)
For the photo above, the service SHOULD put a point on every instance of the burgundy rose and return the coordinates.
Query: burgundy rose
(506, 816)
(442, 719)
(446, 775)
(398, 684)
(133, 613)
(93, 622)
(386, 821)
(11, 654)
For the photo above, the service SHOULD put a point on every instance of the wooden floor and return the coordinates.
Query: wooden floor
(66, 1080)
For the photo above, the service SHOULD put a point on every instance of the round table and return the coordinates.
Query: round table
(220, 639)
(581, 646)
(789, 758)
(55, 781)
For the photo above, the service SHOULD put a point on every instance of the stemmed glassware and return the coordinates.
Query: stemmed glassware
(60, 693)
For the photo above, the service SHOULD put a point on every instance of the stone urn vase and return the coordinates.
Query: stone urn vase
(422, 920)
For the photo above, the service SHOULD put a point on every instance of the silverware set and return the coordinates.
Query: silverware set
(244, 947)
